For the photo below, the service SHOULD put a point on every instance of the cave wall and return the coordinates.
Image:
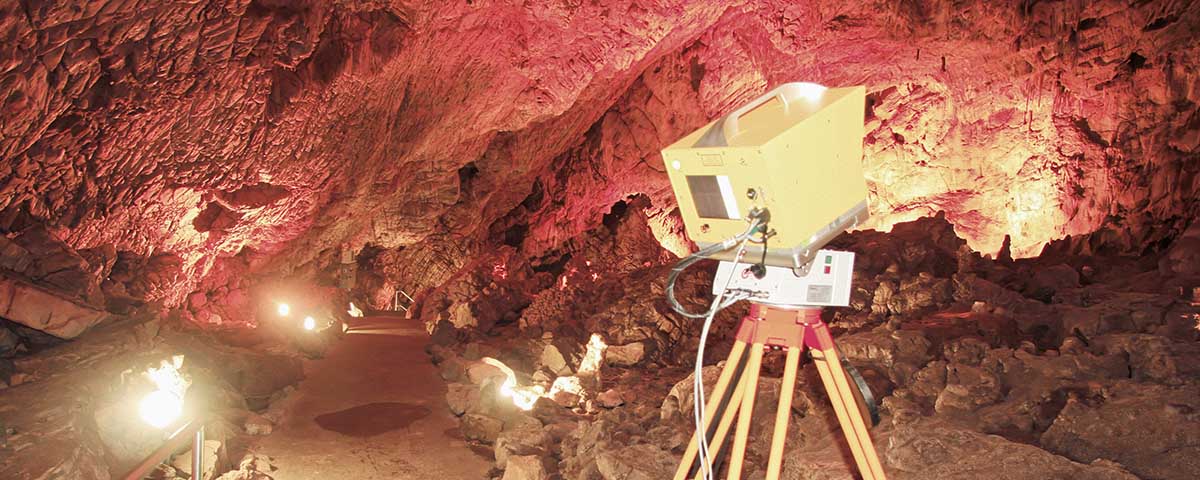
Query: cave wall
(291, 129)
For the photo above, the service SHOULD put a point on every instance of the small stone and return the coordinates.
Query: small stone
(19, 378)
(611, 398)
(256, 424)
(525, 467)
(626, 355)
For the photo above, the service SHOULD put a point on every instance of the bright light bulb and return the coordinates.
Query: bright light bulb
(310, 323)
(160, 408)
(284, 309)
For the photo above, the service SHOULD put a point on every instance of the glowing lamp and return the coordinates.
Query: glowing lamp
(160, 408)
(310, 323)
(284, 309)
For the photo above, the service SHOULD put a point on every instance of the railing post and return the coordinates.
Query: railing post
(198, 454)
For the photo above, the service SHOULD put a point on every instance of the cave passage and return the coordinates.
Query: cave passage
(321, 239)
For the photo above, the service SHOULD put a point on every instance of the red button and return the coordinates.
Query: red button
(827, 270)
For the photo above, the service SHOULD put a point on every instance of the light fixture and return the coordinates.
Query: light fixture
(164, 405)
(310, 323)
(160, 408)
(284, 309)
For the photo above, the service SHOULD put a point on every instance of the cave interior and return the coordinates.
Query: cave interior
(406, 239)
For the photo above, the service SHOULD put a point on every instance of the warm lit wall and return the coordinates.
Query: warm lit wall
(202, 128)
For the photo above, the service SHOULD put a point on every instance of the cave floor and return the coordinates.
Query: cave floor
(372, 408)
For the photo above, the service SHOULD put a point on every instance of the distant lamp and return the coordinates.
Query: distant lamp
(164, 405)
(160, 409)
(284, 309)
(310, 323)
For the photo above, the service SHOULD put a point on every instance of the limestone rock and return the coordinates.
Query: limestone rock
(479, 372)
(1152, 430)
(636, 462)
(462, 317)
(610, 398)
(257, 425)
(967, 389)
(8, 342)
(625, 355)
(523, 438)
(40, 309)
(930, 450)
(481, 427)
(525, 467)
(462, 398)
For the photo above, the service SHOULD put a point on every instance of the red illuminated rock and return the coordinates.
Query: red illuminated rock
(204, 128)
(40, 309)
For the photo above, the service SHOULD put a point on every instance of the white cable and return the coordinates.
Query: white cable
(698, 402)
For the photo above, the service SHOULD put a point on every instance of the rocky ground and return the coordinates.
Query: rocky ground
(79, 328)
(1074, 364)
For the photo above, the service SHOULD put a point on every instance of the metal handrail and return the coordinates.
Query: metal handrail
(396, 306)
(193, 429)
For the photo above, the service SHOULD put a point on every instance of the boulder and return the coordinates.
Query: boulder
(1047, 281)
(967, 389)
(636, 462)
(625, 355)
(462, 398)
(57, 265)
(1155, 358)
(556, 360)
(37, 308)
(899, 353)
(1183, 258)
(1152, 430)
(937, 450)
(461, 316)
(9, 342)
(521, 436)
(481, 427)
(14, 257)
(479, 372)
(525, 467)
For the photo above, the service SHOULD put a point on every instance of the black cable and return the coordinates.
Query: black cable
(696, 257)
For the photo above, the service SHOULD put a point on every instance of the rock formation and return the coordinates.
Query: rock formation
(1028, 281)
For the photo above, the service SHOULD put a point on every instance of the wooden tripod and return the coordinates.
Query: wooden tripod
(790, 329)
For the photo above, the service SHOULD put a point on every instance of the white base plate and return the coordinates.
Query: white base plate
(826, 284)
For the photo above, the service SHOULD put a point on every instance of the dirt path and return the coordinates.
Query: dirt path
(373, 408)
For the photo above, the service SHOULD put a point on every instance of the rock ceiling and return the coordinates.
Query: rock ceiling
(208, 128)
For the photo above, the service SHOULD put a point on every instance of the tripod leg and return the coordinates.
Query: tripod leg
(742, 435)
(837, 386)
(714, 406)
(784, 414)
(717, 441)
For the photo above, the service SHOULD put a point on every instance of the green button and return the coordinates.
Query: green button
(828, 259)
